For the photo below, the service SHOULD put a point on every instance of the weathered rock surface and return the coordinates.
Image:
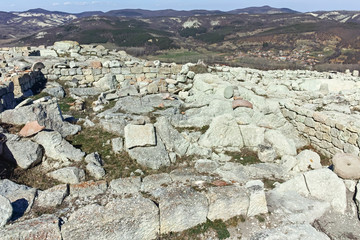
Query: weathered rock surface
(290, 232)
(172, 139)
(257, 199)
(226, 202)
(27, 154)
(31, 128)
(58, 148)
(307, 160)
(281, 144)
(182, 208)
(346, 166)
(20, 196)
(129, 218)
(223, 132)
(70, 175)
(88, 189)
(6, 210)
(46, 114)
(139, 136)
(152, 157)
(124, 186)
(53, 196)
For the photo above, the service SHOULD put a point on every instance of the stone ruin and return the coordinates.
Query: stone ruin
(161, 114)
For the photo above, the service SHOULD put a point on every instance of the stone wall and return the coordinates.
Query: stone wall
(326, 134)
(7, 100)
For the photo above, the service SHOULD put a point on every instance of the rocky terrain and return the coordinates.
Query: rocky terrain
(97, 144)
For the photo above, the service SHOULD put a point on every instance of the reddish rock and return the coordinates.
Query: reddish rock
(96, 64)
(241, 103)
(31, 128)
(219, 183)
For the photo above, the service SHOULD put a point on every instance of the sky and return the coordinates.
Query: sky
(76, 6)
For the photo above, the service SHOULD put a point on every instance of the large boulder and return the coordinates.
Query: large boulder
(52, 197)
(6, 210)
(346, 166)
(152, 157)
(108, 82)
(281, 144)
(182, 208)
(172, 139)
(139, 135)
(26, 153)
(21, 197)
(70, 175)
(290, 232)
(227, 202)
(127, 219)
(46, 114)
(58, 148)
(252, 135)
(307, 160)
(43, 228)
(223, 132)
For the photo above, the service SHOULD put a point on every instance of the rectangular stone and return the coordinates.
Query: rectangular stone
(139, 135)
(309, 122)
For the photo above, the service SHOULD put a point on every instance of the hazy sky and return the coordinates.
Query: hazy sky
(106, 5)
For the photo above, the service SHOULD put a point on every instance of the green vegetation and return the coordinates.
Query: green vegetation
(245, 156)
(234, 221)
(193, 233)
(199, 68)
(98, 140)
(191, 32)
(33, 177)
(194, 129)
(260, 218)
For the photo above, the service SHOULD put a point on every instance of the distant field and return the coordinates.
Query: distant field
(185, 56)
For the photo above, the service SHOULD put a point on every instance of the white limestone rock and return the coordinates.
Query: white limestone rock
(307, 160)
(139, 136)
(281, 144)
(182, 208)
(223, 132)
(257, 199)
(227, 202)
(70, 175)
(6, 210)
(134, 218)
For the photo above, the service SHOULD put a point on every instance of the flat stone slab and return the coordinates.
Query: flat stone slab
(139, 136)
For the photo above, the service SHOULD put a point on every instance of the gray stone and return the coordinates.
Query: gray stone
(346, 166)
(229, 92)
(122, 186)
(83, 92)
(27, 154)
(95, 170)
(58, 148)
(52, 197)
(323, 184)
(227, 202)
(115, 125)
(47, 114)
(128, 91)
(127, 219)
(54, 89)
(70, 175)
(223, 132)
(88, 189)
(108, 82)
(152, 157)
(291, 207)
(252, 135)
(206, 166)
(20, 196)
(182, 208)
(42, 228)
(281, 144)
(94, 158)
(266, 153)
(257, 203)
(172, 139)
(153, 88)
(307, 160)
(290, 232)
(139, 135)
(156, 184)
(6, 210)
(117, 145)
